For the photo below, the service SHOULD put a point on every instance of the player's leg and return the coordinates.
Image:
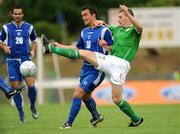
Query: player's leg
(49, 48)
(18, 101)
(75, 107)
(89, 56)
(89, 83)
(32, 94)
(15, 79)
(75, 54)
(124, 105)
(86, 86)
(91, 106)
(117, 70)
(69, 53)
(3, 86)
(7, 90)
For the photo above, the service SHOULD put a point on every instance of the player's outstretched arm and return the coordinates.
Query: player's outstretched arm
(134, 21)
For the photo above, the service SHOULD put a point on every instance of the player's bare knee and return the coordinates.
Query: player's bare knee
(15, 84)
(86, 97)
(30, 83)
(78, 93)
(116, 99)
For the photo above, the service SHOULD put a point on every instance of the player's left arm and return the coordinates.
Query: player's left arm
(4, 46)
(33, 38)
(33, 48)
(134, 21)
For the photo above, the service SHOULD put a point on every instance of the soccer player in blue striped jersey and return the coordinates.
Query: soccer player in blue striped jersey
(90, 77)
(14, 39)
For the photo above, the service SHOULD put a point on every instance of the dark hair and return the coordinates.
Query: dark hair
(16, 7)
(129, 10)
(92, 9)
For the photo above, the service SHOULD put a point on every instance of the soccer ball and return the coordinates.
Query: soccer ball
(28, 69)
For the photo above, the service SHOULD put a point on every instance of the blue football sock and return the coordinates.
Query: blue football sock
(91, 106)
(32, 93)
(75, 107)
(18, 101)
(3, 86)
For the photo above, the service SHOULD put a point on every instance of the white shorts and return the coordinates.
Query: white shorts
(116, 68)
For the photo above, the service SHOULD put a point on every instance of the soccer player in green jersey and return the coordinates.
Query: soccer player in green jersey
(127, 36)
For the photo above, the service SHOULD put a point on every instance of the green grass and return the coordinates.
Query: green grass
(159, 119)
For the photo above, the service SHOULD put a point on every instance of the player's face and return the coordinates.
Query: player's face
(123, 20)
(87, 17)
(17, 15)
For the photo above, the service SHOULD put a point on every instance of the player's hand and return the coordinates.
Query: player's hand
(7, 49)
(98, 23)
(103, 43)
(124, 8)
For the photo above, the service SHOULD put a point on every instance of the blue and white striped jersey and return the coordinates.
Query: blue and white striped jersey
(18, 38)
(89, 40)
(90, 37)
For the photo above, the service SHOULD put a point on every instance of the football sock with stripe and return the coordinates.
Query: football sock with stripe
(127, 109)
(91, 106)
(75, 108)
(32, 93)
(66, 52)
(3, 86)
(18, 101)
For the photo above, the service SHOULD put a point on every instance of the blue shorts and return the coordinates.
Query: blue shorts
(90, 81)
(13, 66)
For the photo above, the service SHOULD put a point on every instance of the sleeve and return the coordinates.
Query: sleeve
(137, 31)
(2, 34)
(107, 36)
(80, 44)
(32, 34)
(112, 28)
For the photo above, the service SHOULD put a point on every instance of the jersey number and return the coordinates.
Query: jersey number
(88, 44)
(19, 40)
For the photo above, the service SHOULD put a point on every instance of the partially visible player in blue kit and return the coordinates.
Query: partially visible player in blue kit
(90, 77)
(14, 39)
(8, 91)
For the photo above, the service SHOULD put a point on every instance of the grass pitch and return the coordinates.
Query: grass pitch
(158, 119)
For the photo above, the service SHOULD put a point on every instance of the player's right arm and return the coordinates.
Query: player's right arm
(5, 48)
(135, 22)
(2, 44)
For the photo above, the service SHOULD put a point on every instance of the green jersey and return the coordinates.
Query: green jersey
(126, 42)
